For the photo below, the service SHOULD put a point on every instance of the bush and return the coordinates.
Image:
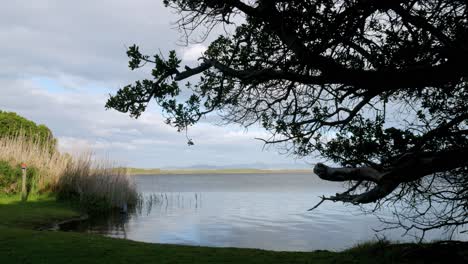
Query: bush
(9, 177)
(11, 125)
(44, 166)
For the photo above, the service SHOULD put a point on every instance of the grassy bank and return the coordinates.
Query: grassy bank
(39, 210)
(20, 244)
(139, 171)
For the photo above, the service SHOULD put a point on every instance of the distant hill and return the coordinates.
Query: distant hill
(256, 165)
(136, 171)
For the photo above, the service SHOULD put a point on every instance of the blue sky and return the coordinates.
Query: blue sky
(60, 60)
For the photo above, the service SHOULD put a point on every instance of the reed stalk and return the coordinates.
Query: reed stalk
(94, 183)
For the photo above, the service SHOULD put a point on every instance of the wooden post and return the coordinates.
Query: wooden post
(24, 195)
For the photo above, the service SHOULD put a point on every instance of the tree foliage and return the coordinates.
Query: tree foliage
(378, 86)
(12, 125)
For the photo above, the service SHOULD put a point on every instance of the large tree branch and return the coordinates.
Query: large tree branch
(410, 167)
(413, 77)
(333, 72)
(441, 130)
(277, 25)
(250, 75)
(189, 72)
(372, 80)
(422, 23)
(347, 174)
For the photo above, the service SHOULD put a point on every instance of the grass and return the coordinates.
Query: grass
(21, 245)
(39, 210)
(25, 246)
(138, 171)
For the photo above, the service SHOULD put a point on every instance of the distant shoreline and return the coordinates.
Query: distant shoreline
(138, 171)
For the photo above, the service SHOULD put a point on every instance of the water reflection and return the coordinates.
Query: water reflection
(114, 225)
(251, 211)
(168, 202)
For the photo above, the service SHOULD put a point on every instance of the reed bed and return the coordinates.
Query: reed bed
(49, 163)
(95, 184)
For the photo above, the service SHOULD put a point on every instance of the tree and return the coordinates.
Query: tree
(13, 125)
(377, 86)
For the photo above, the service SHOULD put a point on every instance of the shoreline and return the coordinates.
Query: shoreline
(135, 172)
(20, 243)
(55, 226)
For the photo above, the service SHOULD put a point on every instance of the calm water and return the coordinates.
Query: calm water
(248, 211)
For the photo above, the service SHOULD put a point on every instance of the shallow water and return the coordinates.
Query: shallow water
(267, 211)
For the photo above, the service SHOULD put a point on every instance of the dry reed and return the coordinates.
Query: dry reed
(50, 164)
(93, 180)
(79, 176)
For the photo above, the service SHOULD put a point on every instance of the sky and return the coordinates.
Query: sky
(60, 60)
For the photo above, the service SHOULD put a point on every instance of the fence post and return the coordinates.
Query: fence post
(24, 195)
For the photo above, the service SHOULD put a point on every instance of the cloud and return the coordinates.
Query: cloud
(85, 39)
(61, 59)
(193, 52)
(80, 122)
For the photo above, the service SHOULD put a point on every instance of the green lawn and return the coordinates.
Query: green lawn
(39, 210)
(20, 244)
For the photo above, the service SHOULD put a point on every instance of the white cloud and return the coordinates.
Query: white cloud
(85, 39)
(80, 122)
(193, 52)
(74, 145)
(61, 59)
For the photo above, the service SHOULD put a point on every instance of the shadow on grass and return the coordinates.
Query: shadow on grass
(37, 211)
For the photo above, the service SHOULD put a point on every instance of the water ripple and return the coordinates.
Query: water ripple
(253, 211)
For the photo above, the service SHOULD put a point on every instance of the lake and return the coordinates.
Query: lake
(267, 211)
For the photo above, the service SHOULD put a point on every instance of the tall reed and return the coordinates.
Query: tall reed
(95, 184)
(49, 163)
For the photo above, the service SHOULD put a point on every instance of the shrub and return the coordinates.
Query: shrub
(44, 166)
(9, 177)
(12, 125)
